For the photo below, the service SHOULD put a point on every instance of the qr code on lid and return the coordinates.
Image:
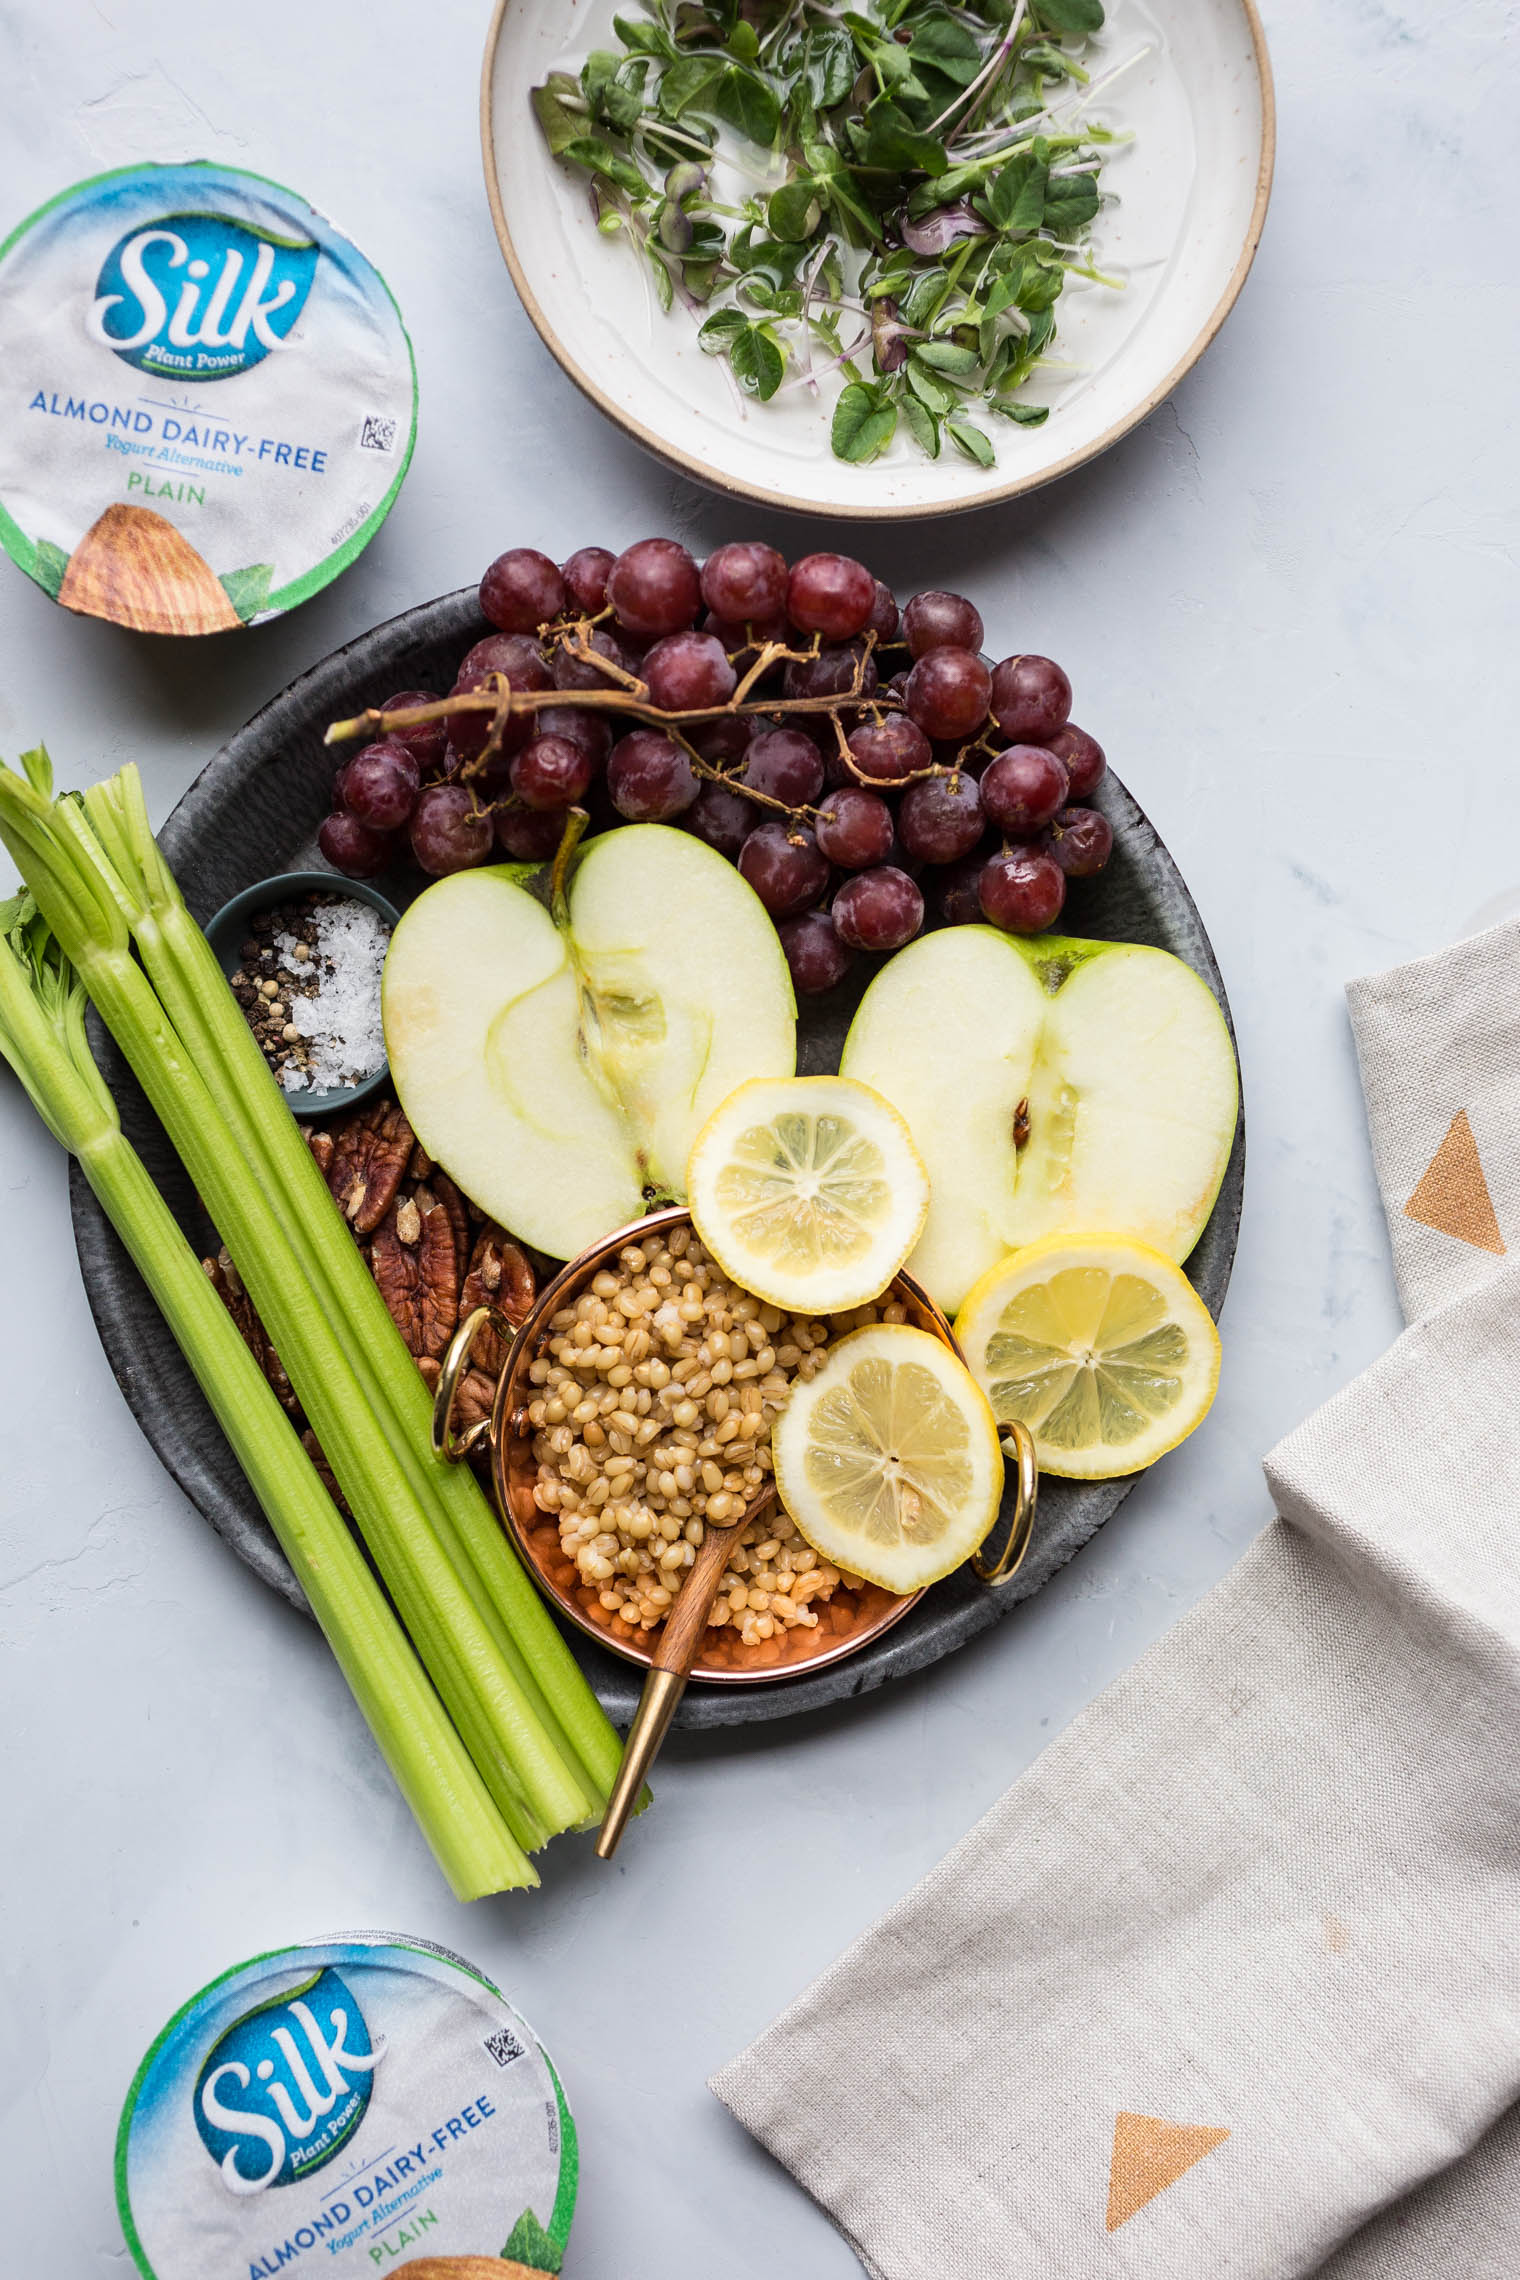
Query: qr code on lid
(504, 2046)
(377, 434)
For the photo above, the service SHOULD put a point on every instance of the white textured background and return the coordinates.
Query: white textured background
(1288, 605)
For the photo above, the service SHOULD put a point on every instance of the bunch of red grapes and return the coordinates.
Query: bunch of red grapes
(921, 771)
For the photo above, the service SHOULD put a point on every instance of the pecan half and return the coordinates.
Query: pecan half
(477, 1398)
(518, 1281)
(474, 1396)
(321, 1144)
(500, 1275)
(370, 1155)
(418, 1279)
(228, 1285)
(440, 1273)
(459, 1219)
(314, 1450)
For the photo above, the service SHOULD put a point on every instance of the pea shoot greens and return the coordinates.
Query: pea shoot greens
(915, 183)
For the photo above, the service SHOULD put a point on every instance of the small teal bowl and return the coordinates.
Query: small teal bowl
(228, 930)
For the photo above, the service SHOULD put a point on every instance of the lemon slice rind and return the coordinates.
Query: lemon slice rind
(808, 1191)
(1099, 1345)
(888, 1460)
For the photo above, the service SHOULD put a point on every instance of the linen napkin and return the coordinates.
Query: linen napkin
(1229, 1982)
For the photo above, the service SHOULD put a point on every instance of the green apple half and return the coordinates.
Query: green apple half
(1122, 1056)
(560, 1072)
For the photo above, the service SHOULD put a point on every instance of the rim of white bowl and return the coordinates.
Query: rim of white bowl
(756, 494)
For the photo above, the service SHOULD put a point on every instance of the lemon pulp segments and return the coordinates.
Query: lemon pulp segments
(803, 1190)
(1101, 1348)
(1139, 1358)
(808, 1191)
(889, 1456)
(888, 1460)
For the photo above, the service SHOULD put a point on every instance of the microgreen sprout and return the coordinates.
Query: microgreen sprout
(931, 168)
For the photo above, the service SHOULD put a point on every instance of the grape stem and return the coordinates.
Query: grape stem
(575, 639)
(626, 693)
(498, 695)
(848, 760)
(714, 775)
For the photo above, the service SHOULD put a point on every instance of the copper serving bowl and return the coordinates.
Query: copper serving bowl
(847, 1621)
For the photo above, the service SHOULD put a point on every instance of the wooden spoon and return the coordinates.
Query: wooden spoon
(680, 1637)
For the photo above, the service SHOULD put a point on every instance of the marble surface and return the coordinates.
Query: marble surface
(1287, 604)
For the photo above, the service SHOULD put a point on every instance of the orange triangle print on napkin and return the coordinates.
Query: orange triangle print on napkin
(1453, 1195)
(1148, 2156)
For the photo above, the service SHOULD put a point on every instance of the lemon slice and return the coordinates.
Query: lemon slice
(888, 1460)
(1099, 1345)
(808, 1191)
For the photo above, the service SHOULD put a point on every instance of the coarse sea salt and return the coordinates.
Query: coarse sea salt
(341, 1023)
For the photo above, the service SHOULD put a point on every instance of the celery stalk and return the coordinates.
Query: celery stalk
(189, 981)
(528, 1776)
(42, 1036)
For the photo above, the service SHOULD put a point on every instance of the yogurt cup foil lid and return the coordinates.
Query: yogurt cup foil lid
(363, 2104)
(209, 398)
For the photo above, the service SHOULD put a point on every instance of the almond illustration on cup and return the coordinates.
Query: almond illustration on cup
(135, 569)
(467, 2268)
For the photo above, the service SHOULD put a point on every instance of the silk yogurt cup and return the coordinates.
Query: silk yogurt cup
(207, 398)
(355, 2105)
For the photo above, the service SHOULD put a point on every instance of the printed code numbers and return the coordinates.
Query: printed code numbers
(504, 2046)
(377, 434)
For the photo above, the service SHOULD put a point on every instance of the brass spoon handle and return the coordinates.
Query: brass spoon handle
(668, 1672)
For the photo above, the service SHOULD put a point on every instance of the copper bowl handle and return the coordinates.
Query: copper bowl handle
(1021, 1528)
(448, 1445)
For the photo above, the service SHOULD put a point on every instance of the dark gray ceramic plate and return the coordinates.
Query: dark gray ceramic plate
(254, 811)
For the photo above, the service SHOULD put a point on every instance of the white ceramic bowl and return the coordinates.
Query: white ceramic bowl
(1191, 196)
